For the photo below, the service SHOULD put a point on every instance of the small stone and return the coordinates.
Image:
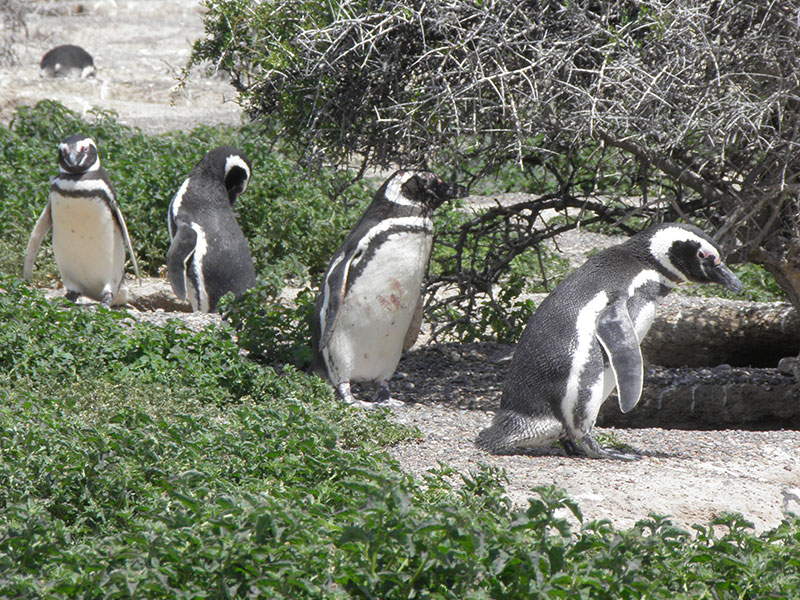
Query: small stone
(787, 365)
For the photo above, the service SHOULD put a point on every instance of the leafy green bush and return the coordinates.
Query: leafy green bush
(273, 329)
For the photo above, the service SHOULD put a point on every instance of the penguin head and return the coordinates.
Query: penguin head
(78, 154)
(229, 165)
(690, 255)
(237, 174)
(419, 188)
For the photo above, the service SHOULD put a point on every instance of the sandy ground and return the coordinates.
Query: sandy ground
(140, 47)
(691, 476)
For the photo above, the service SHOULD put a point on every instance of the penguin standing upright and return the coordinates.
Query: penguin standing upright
(89, 231)
(67, 60)
(372, 288)
(583, 340)
(208, 254)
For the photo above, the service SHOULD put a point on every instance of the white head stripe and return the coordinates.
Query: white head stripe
(234, 160)
(662, 241)
(394, 191)
(95, 165)
(86, 143)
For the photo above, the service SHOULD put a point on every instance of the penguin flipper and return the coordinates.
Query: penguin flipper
(43, 225)
(616, 334)
(180, 252)
(414, 328)
(127, 237)
(335, 287)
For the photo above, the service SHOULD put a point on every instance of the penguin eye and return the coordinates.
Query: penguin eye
(706, 256)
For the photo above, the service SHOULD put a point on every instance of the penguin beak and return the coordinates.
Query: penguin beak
(724, 276)
(73, 158)
(448, 191)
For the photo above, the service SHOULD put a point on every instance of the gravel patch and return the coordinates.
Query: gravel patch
(692, 476)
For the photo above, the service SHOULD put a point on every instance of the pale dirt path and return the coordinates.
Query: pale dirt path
(693, 476)
(139, 48)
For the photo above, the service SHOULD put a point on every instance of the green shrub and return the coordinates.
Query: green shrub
(273, 329)
(157, 462)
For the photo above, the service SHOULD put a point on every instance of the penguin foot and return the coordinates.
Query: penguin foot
(344, 392)
(389, 403)
(72, 295)
(588, 447)
(383, 397)
(107, 298)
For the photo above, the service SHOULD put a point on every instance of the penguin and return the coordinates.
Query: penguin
(583, 340)
(89, 231)
(369, 304)
(208, 254)
(67, 60)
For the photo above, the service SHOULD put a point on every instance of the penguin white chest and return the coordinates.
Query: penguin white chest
(88, 245)
(379, 305)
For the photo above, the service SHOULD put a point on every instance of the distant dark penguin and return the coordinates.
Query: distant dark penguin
(89, 232)
(583, 340)
(66, 61)
(208, 254)
(370, 298)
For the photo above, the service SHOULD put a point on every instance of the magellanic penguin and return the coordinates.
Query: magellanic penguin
(89, 231)
(370, 298)
(583, 340)
(67, 60)
(208, 254)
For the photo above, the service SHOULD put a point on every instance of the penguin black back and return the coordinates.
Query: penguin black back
(209, 255)
(66, 60)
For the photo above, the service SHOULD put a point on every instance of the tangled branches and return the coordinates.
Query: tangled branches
(699, 99)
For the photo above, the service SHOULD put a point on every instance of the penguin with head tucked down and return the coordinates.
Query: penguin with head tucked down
(67, 60)
(89, 231)
(208, 254)
(369, 304)
(583, 340)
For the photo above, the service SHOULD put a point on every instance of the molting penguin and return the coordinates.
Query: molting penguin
(67, 60)
(89, 232)
(208, 255)
(583, 340)
(369, 306)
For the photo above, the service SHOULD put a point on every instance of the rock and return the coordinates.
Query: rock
(791, 502)
(154, 294)
(787, 365)
(692, 331)
(689, 398)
